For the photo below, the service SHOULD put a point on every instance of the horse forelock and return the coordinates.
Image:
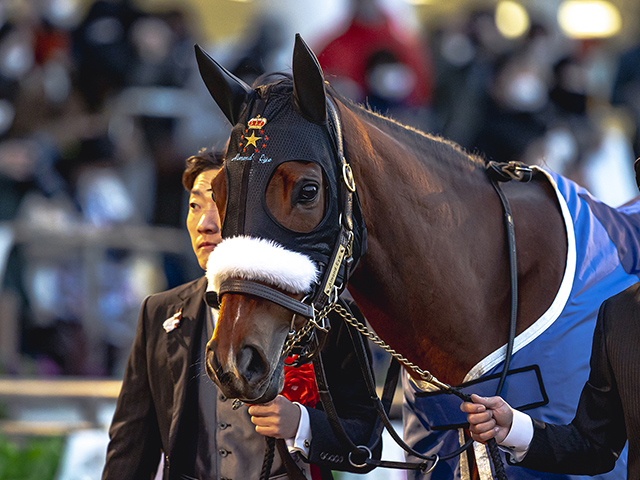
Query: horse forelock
(273, 85)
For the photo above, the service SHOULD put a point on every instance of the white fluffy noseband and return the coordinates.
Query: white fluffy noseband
(262, 260)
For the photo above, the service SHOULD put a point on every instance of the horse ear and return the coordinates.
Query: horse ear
(229, 92)
(308, 83)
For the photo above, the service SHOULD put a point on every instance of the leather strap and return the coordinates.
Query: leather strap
(504, 172)
(249, 287)
(293, 471)
(267, 462)
(382, 406)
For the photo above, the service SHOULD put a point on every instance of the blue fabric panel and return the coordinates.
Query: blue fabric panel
(607, 262)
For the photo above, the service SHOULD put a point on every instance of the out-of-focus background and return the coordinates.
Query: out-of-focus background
(100, 104)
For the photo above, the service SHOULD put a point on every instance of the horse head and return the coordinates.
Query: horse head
(281, 220)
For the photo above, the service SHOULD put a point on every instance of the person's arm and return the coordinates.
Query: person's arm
(517, 442)
(308, 430)
(595, 438)
(284, 419)
(302, 440)
(134, 449)
(589, 445)
(494, 418)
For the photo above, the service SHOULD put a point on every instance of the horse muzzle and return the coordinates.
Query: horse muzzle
(246, 375)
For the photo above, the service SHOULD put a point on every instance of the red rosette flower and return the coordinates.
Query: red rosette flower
(300, 384)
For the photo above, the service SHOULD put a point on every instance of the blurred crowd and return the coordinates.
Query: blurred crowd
(96, 107)
(541, 99)
(101, 104)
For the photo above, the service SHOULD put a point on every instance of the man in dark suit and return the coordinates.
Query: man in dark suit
(608, 413)
(168, 408)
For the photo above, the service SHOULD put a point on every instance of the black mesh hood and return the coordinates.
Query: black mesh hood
(270, 133)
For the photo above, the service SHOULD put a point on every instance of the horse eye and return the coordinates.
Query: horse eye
(308, 193)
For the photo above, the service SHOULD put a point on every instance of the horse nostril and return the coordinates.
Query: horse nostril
(251, 363)
(215, 364)
(212, 364)
(212, 357)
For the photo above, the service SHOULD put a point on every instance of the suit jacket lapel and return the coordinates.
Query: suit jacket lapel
(182, 345)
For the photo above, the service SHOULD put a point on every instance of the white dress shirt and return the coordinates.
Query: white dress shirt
(517, 442)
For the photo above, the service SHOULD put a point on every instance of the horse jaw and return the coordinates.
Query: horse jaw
(243, 358)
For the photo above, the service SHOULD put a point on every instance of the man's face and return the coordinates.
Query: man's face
(203, 221)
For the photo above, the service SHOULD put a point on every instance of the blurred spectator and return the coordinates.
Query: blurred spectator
(626, 90)
(572, 134)
(103, 51)
(70, 168)
(263, 41)
(377, 62)
(466, 51)
(517, 114)
(162, 49)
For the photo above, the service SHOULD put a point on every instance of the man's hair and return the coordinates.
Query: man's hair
(205, 159)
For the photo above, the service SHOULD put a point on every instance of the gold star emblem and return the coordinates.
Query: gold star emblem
(252, 140)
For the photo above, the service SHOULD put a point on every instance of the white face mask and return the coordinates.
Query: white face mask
(393, 81)
(65, 14)
(16, 55)
(525, 92)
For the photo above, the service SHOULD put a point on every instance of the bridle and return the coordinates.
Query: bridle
(333, 279)
(497, 172)
(308, 340)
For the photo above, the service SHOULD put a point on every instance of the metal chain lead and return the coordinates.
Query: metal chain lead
(297, 336)
(424, 375)
(294, 338)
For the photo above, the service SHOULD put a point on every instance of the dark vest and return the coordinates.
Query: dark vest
(217, 439)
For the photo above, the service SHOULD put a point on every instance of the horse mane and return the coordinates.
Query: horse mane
(281, 84)
(410, 136)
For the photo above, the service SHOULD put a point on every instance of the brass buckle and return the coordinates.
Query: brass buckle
(347, 176)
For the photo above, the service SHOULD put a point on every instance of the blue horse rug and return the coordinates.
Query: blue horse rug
(550, 363)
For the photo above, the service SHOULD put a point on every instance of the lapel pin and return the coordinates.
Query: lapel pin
(170, 324)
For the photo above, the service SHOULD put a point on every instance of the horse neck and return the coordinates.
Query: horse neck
(423, 285)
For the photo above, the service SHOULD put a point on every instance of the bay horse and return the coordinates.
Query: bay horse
(425, 255)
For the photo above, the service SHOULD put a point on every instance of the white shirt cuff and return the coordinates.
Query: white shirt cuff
(517, 442)
(302, 441)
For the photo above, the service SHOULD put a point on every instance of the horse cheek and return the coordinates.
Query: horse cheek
(219, 189)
